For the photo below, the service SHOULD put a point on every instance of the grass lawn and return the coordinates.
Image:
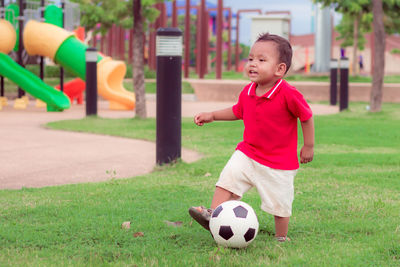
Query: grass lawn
(345, 213)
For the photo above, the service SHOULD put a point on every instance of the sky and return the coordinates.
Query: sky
(301, 12)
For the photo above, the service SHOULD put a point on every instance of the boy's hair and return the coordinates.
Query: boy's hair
(284, 47)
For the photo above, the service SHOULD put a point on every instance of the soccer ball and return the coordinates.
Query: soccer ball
(234, 224)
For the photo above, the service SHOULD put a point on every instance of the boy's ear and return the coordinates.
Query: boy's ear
(281, 70)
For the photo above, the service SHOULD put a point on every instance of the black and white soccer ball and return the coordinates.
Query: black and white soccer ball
(234, 224)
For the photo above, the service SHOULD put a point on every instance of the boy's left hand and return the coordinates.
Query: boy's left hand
(306, 154)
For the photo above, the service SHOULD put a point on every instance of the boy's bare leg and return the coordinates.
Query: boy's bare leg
(221, 195)
(281, 226)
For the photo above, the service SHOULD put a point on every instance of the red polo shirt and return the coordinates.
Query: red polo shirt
(270, 124)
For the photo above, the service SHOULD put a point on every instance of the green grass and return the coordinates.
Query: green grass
(345, 213)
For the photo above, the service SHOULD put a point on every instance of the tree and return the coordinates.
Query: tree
(104, 13)
(135, 13)
(139, 12)
(138, 70)
(352, 37)
(386, 17)
(379, 56)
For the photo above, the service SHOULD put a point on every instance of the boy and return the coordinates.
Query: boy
(267, 156)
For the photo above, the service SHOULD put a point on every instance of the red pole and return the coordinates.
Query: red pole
(229, 40)
(144, 48)
(372, 45)
(117, 41)
(198, 44)
(130, 53)
(94, 40)
(102, 41)
(187, 39)
(160, 22)
(201, 36)
(163, 15)
(152, 47)
(206, 42)
(123, 43)
(175, 14)
(109, 41)
(114, 41)
(237, 42)
(218, 65)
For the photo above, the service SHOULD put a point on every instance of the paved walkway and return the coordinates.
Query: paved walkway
(32, 156)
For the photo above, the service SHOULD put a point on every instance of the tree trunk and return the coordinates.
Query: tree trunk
(138, 64)
(379, 56)
(356, 30)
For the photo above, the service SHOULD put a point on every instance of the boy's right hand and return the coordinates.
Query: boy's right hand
(204, 117)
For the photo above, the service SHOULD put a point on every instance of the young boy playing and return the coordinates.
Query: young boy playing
(267, 156)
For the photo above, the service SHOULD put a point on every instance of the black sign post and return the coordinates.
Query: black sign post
(333, 79)
(344, 84)
(91, 81)
(169, 95)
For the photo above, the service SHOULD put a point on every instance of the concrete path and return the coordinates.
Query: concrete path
(32, 156)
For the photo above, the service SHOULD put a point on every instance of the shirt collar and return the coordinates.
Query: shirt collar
(270, 94)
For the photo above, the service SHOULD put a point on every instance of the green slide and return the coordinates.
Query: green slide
(29, 82)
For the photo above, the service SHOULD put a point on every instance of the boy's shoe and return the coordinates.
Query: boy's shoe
(201, 215)
(282, 238)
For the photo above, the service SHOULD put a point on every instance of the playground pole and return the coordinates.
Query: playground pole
(203, 47)
(174, 14)
(130, 51)
(20, 44)
(42, 58)
(169, 95)
(1, 77)
(229, 39)
(61, 68)
(187, 39)
(218, 65)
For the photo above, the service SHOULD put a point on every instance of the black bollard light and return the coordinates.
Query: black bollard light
(344, 83)
(333, 80)
(91, 81)
(169, 95)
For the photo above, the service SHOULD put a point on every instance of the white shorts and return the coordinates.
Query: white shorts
(274, 186)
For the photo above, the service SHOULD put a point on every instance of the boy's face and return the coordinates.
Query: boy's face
(263, 66)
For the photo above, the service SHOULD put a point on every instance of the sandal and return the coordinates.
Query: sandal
(282, 238)
(201, 215)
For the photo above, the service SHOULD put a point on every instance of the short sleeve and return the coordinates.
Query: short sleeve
(238, 110)
(238, 107)
(298, 106)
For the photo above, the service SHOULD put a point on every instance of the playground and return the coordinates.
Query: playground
(69, 182)
(49, 39)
